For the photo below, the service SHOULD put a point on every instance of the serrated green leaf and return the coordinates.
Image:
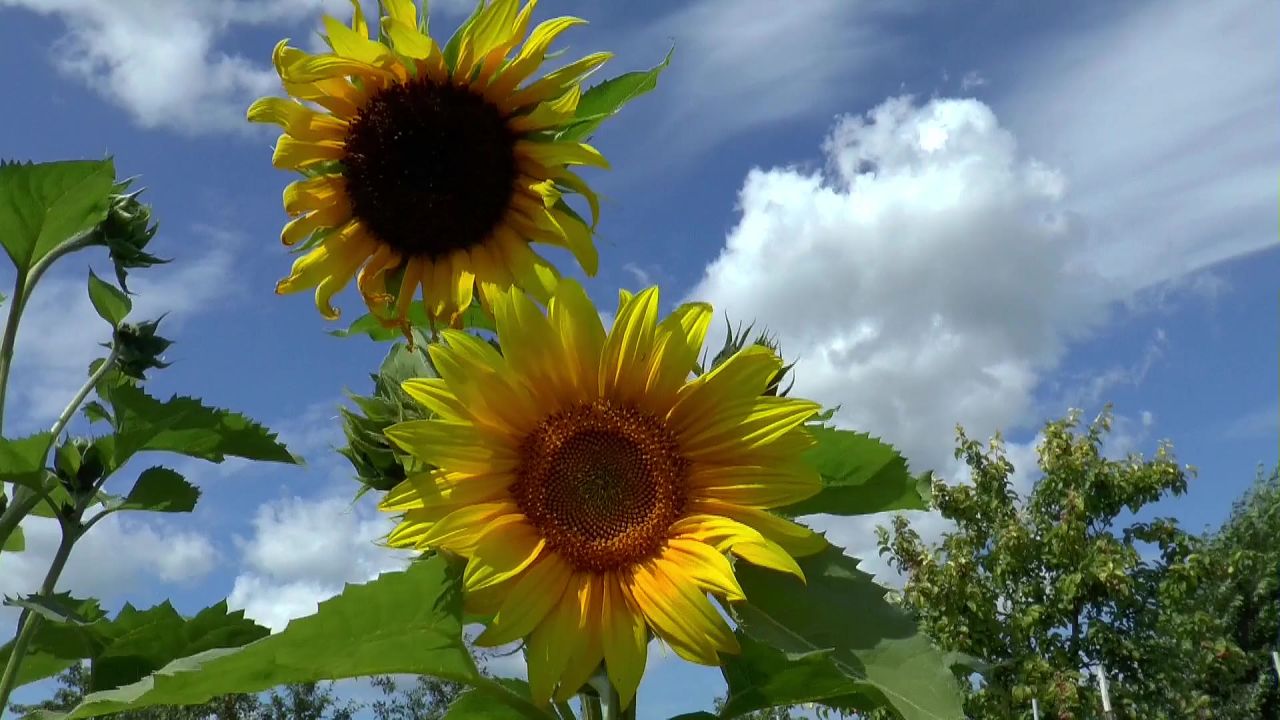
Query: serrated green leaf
(43, 205)
(22, 460)
(185, 426)
(607, 98)
(860, 475)
(110, 302)
(160, 489)
(402, 622)
(60, 608)
(58, 496)
(484, 704)
(15, 542)
(834, 640)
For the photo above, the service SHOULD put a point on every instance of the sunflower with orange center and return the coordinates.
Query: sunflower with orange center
(430, 167)
(597, 492)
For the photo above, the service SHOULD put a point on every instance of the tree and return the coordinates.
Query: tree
(1045, 588)
(73, 685)
(427, 698)
(1244, 556)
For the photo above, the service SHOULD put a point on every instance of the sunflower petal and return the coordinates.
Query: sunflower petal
(625, 638)
(744, 375)
(355, 45)
(629, 345)
(454, 446)
(760, 486)
(531, 596)
(792, 537)
(438, 487)
(577, 325)
(463, 530)
(751, 425)
(680, 615)
(548, 651)
(560, 154)
(703, 564)
(587, 642)
(293, 154)
(506, 547)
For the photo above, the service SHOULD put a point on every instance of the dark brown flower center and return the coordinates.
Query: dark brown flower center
(429, 168)
(603, 483)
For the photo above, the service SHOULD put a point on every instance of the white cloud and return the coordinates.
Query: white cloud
(746, 64)
(930, 276)
(303, 551)
(165, 61)
(116, 556)
(1164, 119)
(60, 333)
(1258, 423)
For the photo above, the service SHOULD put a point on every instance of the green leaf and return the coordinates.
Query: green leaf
(700, 715)
(402, 622)
(160, 489)
(607, 98)
(56, 646)
(43, 205)
(60, 608)
(15, 542)
(473, 317)
(835, 640)
(185, 426)
(860, 475)
(110, 302)
(486, 702)
(22, 460)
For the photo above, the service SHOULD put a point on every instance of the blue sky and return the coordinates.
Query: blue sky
(981, 213)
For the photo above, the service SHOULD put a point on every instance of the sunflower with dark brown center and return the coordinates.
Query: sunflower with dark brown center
(595, 489)
(430, 168)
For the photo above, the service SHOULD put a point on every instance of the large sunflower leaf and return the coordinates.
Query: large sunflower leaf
(835, 641)
(860, 475)
(185, 426)
(43, 205)
(607, 98)
(22, 460)
(403, 622)
(129, 647)
(160, 489)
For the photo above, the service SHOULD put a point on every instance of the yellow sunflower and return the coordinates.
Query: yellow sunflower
(595, 489)
(429, 167)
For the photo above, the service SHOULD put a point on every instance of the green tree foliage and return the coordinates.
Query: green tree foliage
(1046, 587)
(1244, 593)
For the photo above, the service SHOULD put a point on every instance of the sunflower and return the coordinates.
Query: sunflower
(595, 489)
(429, 167)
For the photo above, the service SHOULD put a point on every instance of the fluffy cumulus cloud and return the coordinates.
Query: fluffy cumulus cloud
(120, 553)
(303, 551)
(169, 63)
(930, 274)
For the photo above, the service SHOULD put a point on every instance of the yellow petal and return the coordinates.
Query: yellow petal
(578, 185)
(625, 638)
(628, 347)
(531, 271)
(681, 615)
(315, 194)
(560, 154)
(330, 216)
(507, 546)
(744, 375)
(551, 85)
(792, 537)
(291, 154)
(550, 114)
(531, 55)
(452, 446)
(706, 566)
(530, 347)
(404, 11)
(576, 324)
(529, 599)
(587, 648)
(749, 424)
(438, 487)
(677, 341)
(462, 530)
(760, 486)
(299, 121)
(548, 651)
(296, 66)
(358, 22)
(337, 95)
(747, 543)
(355, 45)
(492, 26)
(328, 268)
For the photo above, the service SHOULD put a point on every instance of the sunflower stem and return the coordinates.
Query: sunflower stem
(28, 622)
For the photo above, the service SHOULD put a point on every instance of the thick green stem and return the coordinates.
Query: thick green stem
(28, 622)
(25, 502)
(10, 336)
(23, 284)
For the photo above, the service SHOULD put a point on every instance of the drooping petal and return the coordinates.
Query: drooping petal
(760, 486)
(792, 537)
(680, 615)
(625, 638)
(507, 546)
(529, 599)
(451, 445)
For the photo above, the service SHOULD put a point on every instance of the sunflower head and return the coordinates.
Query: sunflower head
(430, 168)
(597, 492)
